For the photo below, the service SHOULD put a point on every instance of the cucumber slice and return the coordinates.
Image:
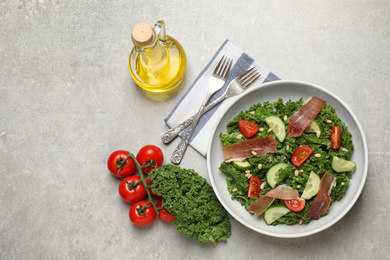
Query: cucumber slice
(313, 128)
(273, 174)
(273, 213)
(242, 165)
(312, 186)
(342, 165)
(277, 126)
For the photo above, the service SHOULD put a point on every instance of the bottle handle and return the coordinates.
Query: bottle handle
(159, 28)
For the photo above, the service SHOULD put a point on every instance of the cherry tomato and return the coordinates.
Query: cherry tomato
(248, 128)
(142, 213)
(254, 187)
(335, 137)
(163, 214)
(150, 155)
(296, 204)
(131, 189)
(301, 155)
(120, 165)
(148, 181)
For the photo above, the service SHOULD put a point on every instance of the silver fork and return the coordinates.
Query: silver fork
(216, 82)
(236, 87)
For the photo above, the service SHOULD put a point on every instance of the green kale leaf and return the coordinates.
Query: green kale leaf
(190, 198)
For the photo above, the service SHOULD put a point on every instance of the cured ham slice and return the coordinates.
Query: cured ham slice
(301, 119)
(248, 148)
(321, 203)
(282, 192)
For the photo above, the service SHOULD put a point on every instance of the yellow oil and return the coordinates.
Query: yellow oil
(160, 68)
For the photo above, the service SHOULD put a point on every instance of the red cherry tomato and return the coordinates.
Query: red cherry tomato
(254, 187)
(301, 155)
(248, 128)
(142, 213)
(120, 165)
(131, 189)
(335, 137)
(148, 181)
(296, 204)
(150, 155)
(163, 214)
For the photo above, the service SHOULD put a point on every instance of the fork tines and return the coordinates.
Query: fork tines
(223, 67)
(249, 77)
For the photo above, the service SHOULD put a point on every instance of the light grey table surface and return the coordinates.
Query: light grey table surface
(67, 101)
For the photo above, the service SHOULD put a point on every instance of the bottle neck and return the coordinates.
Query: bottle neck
(153, 53)
(148, 43)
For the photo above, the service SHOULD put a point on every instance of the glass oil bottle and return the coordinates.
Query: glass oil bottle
(157, 61)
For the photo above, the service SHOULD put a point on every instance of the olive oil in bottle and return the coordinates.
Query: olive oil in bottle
(157, 62)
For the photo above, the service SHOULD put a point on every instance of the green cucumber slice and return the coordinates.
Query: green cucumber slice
(342, 165)
(313, 128)
(277, 126)
(273, 174)
(273, 213)
(242, 165)
(312, 186)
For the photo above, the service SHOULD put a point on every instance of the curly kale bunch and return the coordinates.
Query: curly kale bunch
(193, 202)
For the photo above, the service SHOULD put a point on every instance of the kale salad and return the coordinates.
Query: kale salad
(280, 168)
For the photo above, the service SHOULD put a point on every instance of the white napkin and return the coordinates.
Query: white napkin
(189, 104)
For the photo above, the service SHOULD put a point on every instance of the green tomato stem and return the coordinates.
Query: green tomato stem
(133, 185)
(139, 167)
(121, 162)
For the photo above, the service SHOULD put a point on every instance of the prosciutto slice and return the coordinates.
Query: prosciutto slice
(321, 203)
(282, 192)
(248, 148)
(301, 119)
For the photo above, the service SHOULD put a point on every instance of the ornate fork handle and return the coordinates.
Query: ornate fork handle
(169, 135)
(178, 153)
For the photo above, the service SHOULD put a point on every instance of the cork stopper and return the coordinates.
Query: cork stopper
(142, 34)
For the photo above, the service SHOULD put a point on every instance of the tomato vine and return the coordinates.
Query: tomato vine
(141, 173)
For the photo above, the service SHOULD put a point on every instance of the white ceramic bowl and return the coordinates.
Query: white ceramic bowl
(286, 90)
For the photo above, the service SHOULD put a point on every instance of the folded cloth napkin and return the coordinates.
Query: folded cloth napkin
(190, 103)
